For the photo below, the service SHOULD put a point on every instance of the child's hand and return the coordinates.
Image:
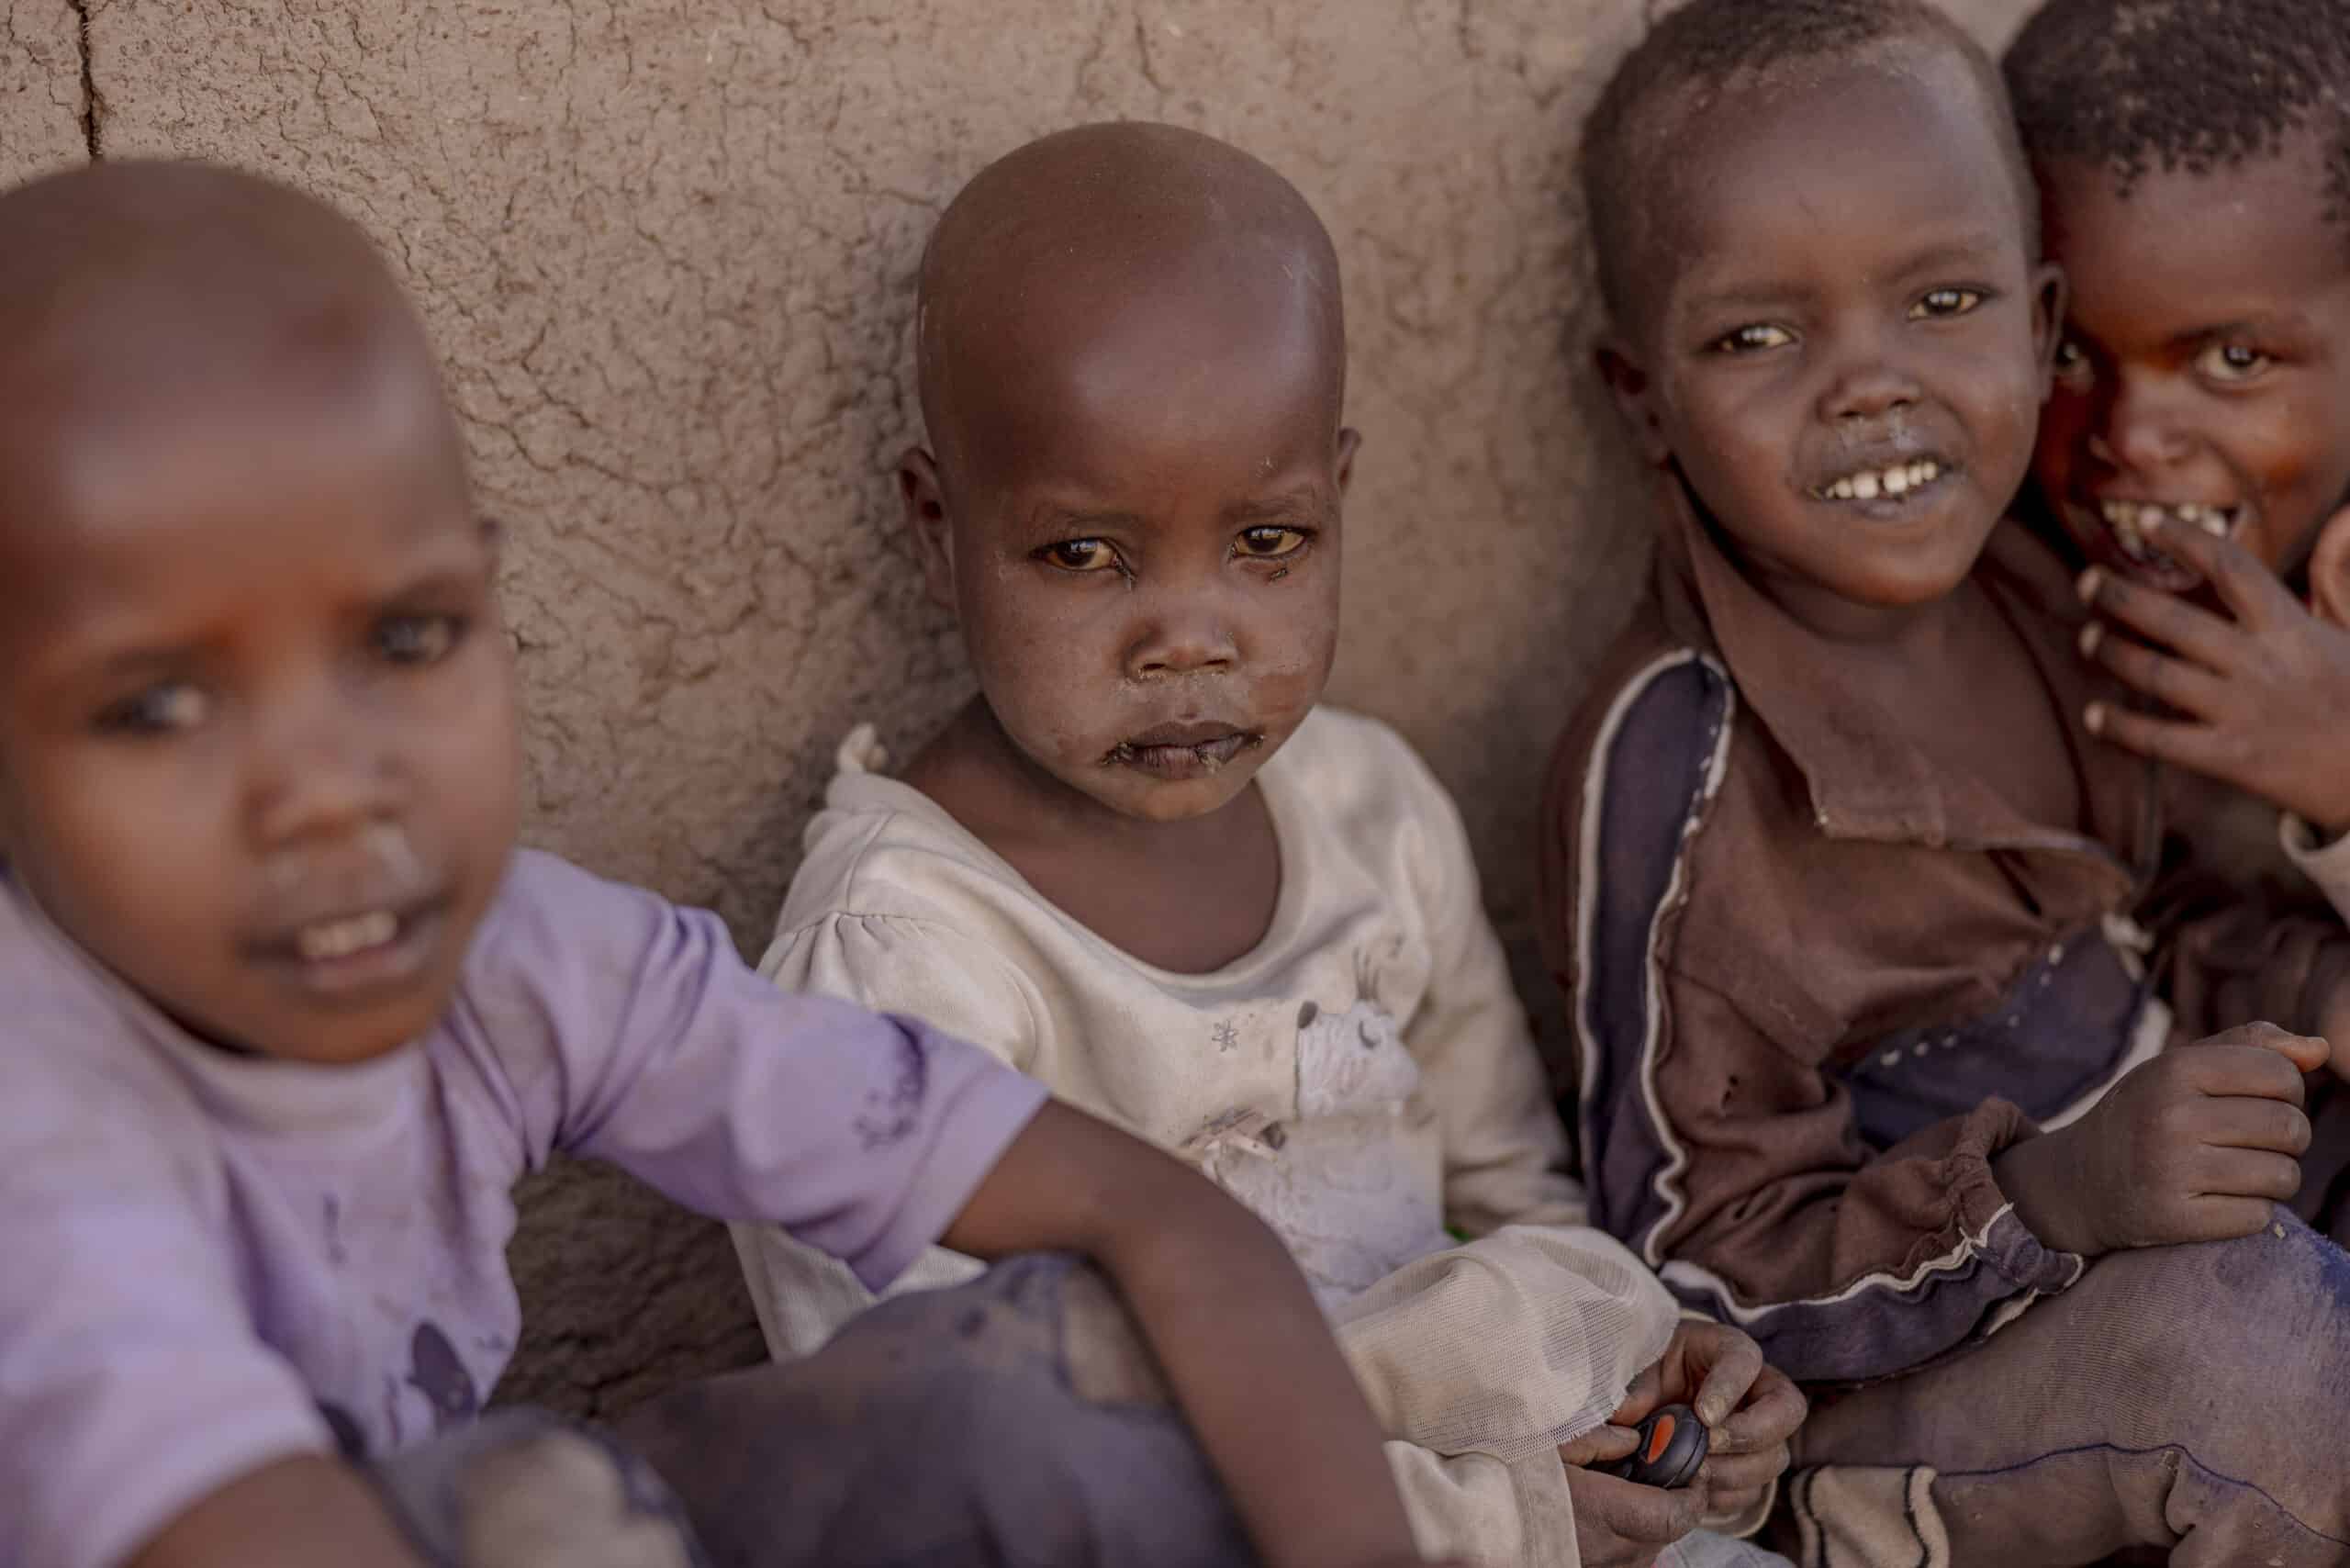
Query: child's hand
(2194, 1145)
(2261, 701)
(1619, 1523)
(1749, 1409)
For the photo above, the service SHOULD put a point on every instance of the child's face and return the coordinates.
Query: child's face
(2206, 364)
(257, 740)
(1141, 536)
(1847, 345)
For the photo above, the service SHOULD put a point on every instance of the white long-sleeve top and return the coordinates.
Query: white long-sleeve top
(1363, 1080)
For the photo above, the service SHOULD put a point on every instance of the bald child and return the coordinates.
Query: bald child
(1149, 867)
(288, 1015)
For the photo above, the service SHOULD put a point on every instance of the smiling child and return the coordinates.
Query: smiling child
(1841, 891)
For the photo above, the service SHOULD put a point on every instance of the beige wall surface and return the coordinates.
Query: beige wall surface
(666, 247)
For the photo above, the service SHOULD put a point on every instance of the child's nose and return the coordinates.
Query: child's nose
(1868, 389)
(319, 773)
(1185, 638)
(2139, 430)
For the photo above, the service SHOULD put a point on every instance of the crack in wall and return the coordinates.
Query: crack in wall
(90, 100)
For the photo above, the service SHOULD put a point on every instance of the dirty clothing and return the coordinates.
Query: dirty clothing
(1363, 1080)
(218, 1261)
(1819, 983)
(1017, 1419)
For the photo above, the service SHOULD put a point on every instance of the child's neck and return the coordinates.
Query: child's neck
(1191, 896)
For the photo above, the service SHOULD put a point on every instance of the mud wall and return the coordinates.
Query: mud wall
(666, 247)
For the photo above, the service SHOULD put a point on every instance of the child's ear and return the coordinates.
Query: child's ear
(1349, 442)
(924, 502)
(1635, 397)
(2329, 571)
(2049, 294)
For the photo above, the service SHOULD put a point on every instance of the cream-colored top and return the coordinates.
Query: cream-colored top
(1361, 1079)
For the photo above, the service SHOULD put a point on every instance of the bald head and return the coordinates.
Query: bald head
(1111, 237)
(140, 295)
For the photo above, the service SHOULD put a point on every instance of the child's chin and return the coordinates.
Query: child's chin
(1174, 800)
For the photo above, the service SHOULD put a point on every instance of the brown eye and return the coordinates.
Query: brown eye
(2231, 363)
(1940, 304)
(169, 709)
(418, 639)
(1273, 544)
(1082, 555)
(1753, 338)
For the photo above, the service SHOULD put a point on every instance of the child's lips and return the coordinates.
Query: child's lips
(356, 955)
(1886, 488)
(2116, 529)
(1184, 751)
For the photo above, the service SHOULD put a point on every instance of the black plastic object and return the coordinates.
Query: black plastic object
(1672, 1445)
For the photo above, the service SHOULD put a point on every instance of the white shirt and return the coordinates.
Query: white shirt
(1363, 1080)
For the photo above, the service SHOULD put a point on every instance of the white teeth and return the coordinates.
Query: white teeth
(2133, 518)
(341, 938)
(1898, 480)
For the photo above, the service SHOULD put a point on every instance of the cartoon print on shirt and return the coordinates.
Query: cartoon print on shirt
(898, 1109)
(349, 1441)
(442, 1378)
(1352, 1062)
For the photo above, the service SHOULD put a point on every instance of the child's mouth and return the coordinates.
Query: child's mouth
(1183, 751)
(1889, 489)
(2127, 524)
(351, 957)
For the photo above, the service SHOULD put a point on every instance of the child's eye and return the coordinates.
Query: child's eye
(1940, 304)
(1752, 338)
(1271, 543)
(1082, 555)
(2231, 362)
(418, 639)
(2072, 361)
(165, 710)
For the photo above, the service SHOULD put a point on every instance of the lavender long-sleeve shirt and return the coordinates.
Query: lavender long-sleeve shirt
(208, 1262)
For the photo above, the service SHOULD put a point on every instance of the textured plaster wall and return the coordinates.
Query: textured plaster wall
(666, 247)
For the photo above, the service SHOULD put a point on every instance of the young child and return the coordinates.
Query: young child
(1841, 890)
(2198, 443)
(289, 1015)
(1144, 865)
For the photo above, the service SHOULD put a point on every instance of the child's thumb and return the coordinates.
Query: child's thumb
(1601, 1445)
(2305, 1051)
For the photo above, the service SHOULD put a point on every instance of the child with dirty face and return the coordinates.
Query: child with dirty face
(2196, 452)
(289, 1015)
(1145, 864)
(1841, 891)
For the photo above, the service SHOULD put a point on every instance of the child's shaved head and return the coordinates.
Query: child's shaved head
(1688, 59)
(258, 749)
(1052, 239)
(130, 288)
(2185, 87)
(1133, 360)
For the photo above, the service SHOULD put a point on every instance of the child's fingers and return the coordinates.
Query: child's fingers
(1645, 1392)
(2253, 1122)
(1602, 1445)
(2226, 1219)
(2186, 744)
(1736, 1361)
(2256, 1173)
(2259, 1061)
(1649, 1515)
(1742, 1472)
(2252, 592)
(1771, 1413)
(2188, 688)
(2163, 617)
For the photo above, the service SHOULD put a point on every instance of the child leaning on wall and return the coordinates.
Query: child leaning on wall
(1150, 869)
(2196, 450)
(289, 1015)
(1872, 1061)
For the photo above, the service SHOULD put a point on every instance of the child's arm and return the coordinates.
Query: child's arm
(1242, 1343)
(294, 1513)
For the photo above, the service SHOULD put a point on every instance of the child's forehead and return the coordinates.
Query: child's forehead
(1877, 152)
